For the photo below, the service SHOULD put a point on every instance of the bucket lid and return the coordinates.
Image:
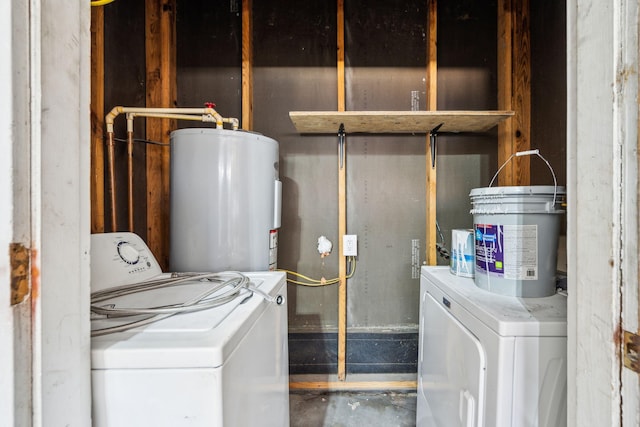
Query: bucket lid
(517, 191)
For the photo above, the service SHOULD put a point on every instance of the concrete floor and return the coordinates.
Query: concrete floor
(349, 408)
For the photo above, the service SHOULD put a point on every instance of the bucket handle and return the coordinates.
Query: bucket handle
(528, 153)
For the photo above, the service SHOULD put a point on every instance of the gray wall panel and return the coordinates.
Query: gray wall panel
(294, 53)
(308, 170)
(467, 64)
(386, 209)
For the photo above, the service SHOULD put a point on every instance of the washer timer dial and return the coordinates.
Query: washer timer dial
(128, 253)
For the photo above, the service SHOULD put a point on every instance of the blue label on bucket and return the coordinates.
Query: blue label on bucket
(489, 249)
(507, 251)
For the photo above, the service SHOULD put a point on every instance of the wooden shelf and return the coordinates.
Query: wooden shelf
(396, 121)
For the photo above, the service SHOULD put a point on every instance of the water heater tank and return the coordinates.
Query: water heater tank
(225, 201)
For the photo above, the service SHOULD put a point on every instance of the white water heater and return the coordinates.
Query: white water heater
(225, 201)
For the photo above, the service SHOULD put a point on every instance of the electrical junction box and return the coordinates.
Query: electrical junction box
(350, 245)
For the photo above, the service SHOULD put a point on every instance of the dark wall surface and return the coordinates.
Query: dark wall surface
(209, 56)
(125, 85)
(548, 90)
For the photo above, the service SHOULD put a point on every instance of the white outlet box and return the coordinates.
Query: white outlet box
(350, 245)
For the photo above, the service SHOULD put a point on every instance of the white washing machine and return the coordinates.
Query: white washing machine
(221, 366)
(489, 360)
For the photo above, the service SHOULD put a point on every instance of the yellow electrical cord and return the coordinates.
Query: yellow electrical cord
(101, 2)
(316, 282)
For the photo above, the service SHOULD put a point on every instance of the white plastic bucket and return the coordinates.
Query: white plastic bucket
(516, 237)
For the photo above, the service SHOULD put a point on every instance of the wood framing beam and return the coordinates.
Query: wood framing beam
(408, 122)
(97, 120)
(353, 385)
(514, 89)
(342, 103)
(247, 65)
(432, 105)
(342, 205)
(160, 44)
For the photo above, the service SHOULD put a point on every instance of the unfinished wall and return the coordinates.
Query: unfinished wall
(467, 80)
(294, 53)
(125, 84)
(294, 69)
(385, 53)
(209, 56)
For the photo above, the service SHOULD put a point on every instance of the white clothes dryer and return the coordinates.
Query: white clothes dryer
(489, 360)
(221, 366)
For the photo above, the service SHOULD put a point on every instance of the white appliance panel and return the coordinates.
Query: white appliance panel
(453, 377)
(540, 377)
(256, 375)
(525, 374)
(203, 338)
(234, 374)
(224, 200)
(119, 259)
(505, 315)
(148, 397)
(224, 366)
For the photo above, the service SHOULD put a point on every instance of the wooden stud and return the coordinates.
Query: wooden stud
(514, 89)
(247, 65)
(160, 44)
(432, 56)
(353, 385)
(522, 90)
(97, 120)
(505, 129)
(342, 103)
(432, 105)
(342, 206)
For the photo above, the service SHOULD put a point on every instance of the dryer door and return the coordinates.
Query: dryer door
(452, 367)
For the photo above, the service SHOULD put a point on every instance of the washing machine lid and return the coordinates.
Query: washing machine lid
(202, 339)
(506, 315)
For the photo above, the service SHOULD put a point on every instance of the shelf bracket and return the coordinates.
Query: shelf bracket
(433, 139)
(341, 145)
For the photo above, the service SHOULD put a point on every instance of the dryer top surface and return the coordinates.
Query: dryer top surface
(506, 315)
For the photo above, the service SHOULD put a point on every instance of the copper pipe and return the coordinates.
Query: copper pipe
(207, 114)
(130, 176)
(112, 180)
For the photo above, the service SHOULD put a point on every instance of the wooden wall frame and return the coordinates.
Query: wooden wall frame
(514, 89)
(247, 65)
(342, 203)
(160, 47)
(97, 120)
(432, 105)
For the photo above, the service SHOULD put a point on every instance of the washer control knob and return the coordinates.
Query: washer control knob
(128, 253)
